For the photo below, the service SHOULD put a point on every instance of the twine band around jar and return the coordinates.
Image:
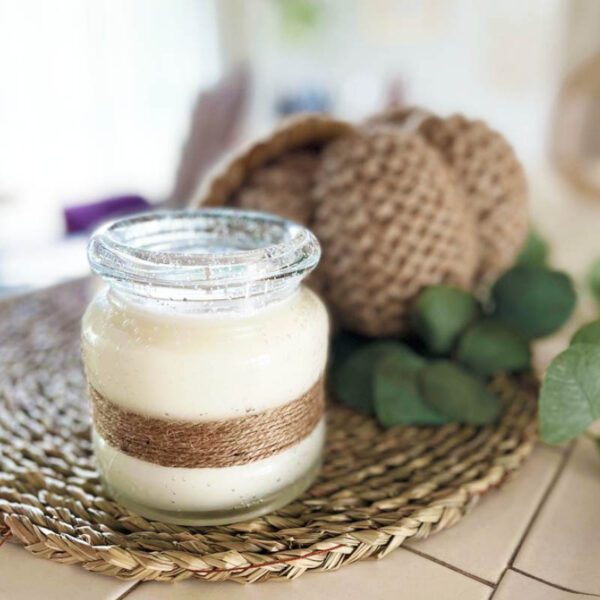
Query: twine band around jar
(197, 444)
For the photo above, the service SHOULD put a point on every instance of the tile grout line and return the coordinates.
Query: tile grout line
(563, 461)
(450, 567)
(562, 464)
(554, 585)
(493, 594)
(566, 455)
(559, 471)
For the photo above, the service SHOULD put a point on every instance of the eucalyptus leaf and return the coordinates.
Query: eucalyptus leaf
(534, 301)
(440, 314)
(343, 345)
(451, 390)
(588, 334)
(535, 251)
(570, 394)
(397, 397)
(489, 347)
(354, 380)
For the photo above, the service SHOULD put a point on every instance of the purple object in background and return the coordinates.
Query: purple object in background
(83, 217)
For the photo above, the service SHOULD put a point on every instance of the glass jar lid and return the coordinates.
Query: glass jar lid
(214, 255)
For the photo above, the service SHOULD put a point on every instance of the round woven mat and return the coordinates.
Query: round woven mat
(377, 488)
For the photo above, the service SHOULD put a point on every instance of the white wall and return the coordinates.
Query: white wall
(94, 100)
(500, 60)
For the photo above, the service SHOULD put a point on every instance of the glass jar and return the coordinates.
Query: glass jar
(204, 358)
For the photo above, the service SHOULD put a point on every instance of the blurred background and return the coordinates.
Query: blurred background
(109, 106)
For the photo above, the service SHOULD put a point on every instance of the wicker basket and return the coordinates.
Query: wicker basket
(301, 132)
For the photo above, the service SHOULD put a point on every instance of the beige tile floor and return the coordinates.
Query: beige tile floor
(517, 586)
(563, 545)
(485, 542)
(535, 538)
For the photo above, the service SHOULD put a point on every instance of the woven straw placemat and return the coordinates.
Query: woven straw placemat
(377, 488)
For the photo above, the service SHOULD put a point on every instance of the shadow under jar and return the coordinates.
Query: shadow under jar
(204, 358)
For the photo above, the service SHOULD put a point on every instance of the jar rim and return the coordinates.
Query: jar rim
(203, 254)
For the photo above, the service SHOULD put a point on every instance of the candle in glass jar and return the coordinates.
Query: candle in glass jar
(205, 359)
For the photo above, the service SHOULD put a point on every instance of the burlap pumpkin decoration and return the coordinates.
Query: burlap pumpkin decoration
(406, 201)
(489, 174)
(391, 222)
(493, 182)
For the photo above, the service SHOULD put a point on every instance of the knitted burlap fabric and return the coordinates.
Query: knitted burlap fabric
(283, 187)
(494, 184)
(391, 222)
(489, 174)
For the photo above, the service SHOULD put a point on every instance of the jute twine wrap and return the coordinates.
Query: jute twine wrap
(377, 488)
(208, 444)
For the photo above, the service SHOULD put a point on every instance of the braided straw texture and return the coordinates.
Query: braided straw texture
(391, 222)
(377, 488)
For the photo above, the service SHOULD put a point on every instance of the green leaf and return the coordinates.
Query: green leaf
(397, 397)
(489, 347)
(593, 279)
(440, 314)
(534, 301)
(588, 334)
(535, 251)
(343, 345)
(570, 395)
(453, 391)
(354, 381)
